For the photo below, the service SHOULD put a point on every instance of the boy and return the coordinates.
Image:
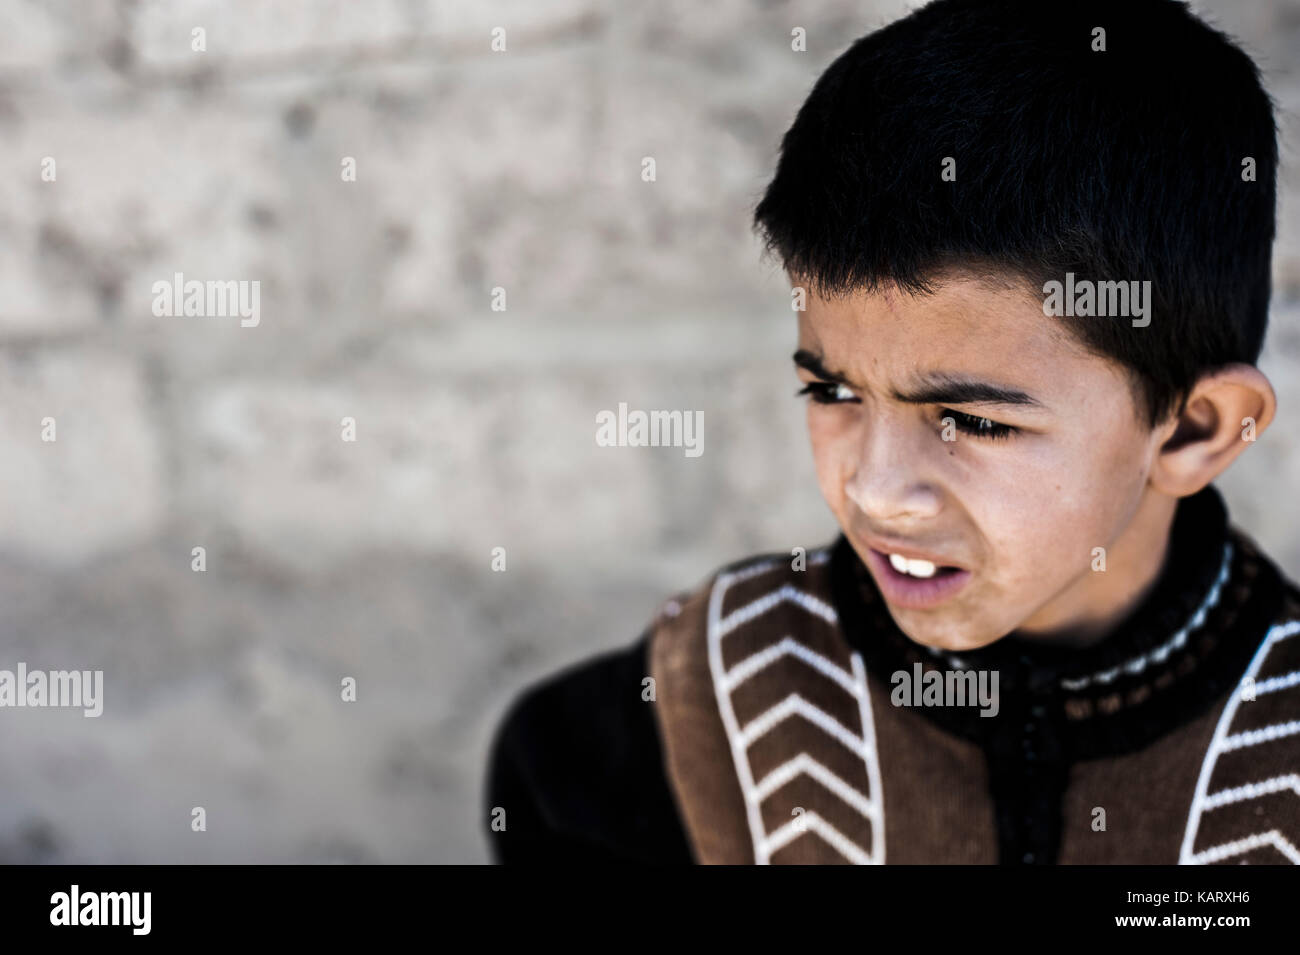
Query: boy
(1033, 245)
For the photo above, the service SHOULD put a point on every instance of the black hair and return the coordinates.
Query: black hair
(1123, 164)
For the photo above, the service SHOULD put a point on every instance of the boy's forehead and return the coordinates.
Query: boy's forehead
(965, 325)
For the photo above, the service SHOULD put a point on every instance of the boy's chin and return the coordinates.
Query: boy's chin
(949, 642)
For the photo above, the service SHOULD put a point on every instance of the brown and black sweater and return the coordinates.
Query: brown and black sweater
(771, 736)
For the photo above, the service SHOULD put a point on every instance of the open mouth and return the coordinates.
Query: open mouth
(915, 584)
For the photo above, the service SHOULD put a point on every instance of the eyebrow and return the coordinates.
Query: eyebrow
(935, 388)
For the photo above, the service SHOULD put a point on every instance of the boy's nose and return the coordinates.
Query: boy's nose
(887, 481)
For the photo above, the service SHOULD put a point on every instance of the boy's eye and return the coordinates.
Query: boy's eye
(979, 427)
(828, 392)
(833, 393)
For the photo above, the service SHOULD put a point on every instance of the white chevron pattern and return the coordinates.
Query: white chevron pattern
(1262, 735)
(1238, 846)
(1283, 682)
(1226, 797)
(811, 821)
(763, 604)
(803, 763)
(1222, 742)
(788, 647)
(796, 704)
(740, 738)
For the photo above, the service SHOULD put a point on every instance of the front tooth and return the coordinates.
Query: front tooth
(913, 568)
(920, 568)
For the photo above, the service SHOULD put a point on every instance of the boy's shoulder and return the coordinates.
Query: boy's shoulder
(563, 693)
(574, 768)
(577, 761)
(571, 692)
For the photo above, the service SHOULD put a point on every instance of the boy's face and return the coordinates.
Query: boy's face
(1019, 515)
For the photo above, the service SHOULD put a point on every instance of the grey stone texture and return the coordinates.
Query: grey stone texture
(371, 559)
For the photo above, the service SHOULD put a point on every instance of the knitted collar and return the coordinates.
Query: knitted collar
(1165, 663)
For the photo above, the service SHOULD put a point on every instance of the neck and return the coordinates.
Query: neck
(1098, 603)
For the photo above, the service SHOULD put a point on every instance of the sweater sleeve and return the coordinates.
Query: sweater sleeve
(576, 775)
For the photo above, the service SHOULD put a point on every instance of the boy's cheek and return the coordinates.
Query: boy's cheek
(832, 457)
(1046, 557)
(831, 479)
(825, 431)
(835, 464)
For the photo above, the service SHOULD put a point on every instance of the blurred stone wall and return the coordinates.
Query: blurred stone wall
(371, 559)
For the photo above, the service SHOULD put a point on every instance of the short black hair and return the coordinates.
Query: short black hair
(1123, 164)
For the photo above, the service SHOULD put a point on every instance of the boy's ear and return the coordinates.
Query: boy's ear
(1225, 411)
